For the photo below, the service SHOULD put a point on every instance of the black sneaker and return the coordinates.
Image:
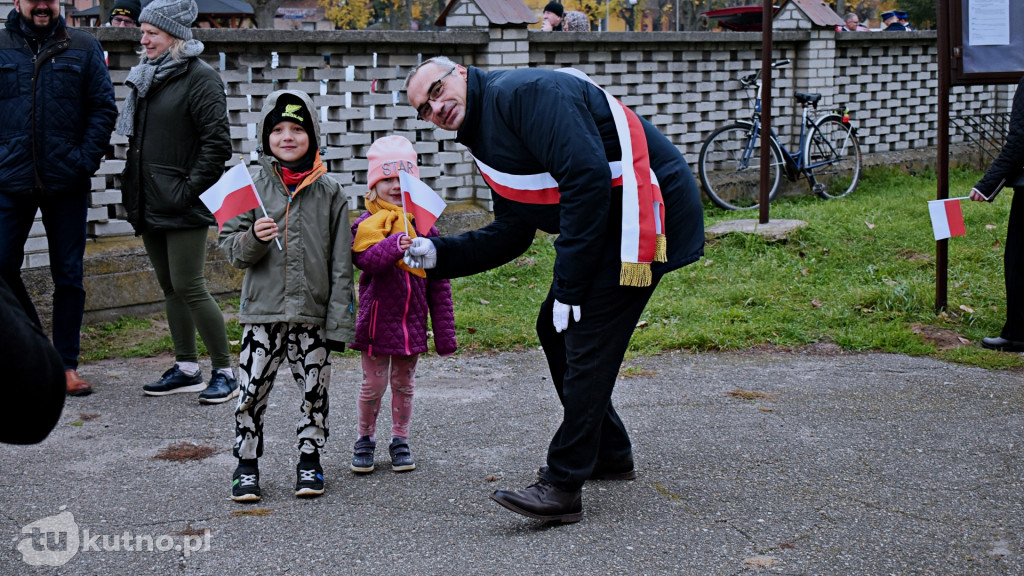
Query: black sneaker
(174, 381)
(309, 479)
(245, 484)
(362, 455)
(401, 456)
(220, 389)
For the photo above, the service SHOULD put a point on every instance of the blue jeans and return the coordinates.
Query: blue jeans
(64, 217)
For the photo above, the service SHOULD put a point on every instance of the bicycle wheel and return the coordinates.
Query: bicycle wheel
(832, 158)
(730, 167)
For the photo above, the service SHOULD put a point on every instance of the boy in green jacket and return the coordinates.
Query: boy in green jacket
(297, 295)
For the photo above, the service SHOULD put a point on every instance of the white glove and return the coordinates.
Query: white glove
(560, 312)
(422, 254)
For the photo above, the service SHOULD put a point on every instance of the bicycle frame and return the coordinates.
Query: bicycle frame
(794, 166)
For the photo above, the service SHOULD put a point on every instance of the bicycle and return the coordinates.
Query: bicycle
(828, 156)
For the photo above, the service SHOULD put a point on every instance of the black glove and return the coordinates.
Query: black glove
(335, 346)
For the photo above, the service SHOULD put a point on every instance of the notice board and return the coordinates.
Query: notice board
(987, 41)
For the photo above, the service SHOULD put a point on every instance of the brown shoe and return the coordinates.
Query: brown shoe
(76, 386)
(542, 501)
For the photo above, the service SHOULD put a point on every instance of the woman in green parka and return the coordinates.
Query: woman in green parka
(175, 118)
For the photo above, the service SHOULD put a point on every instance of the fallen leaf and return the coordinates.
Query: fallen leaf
(966, 309)
(482, 301)
(815, 303)
(805, 272)
(870, 225)
(641, 324)
(471, 330)
(990, 227)
(758, 562)
(708, 262)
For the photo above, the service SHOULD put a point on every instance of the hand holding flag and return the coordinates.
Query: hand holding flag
(426, 206)
(234, 194)
(947, 218)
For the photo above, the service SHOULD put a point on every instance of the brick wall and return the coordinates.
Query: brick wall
(684, 82)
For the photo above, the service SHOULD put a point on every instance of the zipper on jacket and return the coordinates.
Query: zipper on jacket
(405, 314)
(373, 326)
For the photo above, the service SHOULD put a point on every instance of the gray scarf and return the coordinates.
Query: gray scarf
(149, 74)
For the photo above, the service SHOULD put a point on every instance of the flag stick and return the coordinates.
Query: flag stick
(405, 216)
(262, 207)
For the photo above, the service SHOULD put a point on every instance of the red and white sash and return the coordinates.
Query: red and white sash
(643, 210)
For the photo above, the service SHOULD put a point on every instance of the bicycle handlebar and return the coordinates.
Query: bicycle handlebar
(753, 77)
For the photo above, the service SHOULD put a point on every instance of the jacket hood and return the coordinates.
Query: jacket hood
(271, 102)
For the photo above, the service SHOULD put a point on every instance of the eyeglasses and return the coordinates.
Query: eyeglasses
(122, 21)
(433, 93)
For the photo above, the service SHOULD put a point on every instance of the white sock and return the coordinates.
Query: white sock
(227, 372)
(189, 368)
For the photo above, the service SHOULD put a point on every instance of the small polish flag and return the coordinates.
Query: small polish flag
(232, 195)
(947, 218)
(426, 206)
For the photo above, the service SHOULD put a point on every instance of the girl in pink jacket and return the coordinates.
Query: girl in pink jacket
(394, 301)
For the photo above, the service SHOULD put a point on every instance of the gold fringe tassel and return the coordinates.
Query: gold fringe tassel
(635, 274)
(661, 249)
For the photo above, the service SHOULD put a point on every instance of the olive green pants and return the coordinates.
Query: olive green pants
(179, 259)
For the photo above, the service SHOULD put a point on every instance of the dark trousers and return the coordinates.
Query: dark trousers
(584, 361)
(64, 217)
(1013, 270)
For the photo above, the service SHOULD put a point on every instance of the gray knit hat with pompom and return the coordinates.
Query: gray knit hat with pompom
(172, 16)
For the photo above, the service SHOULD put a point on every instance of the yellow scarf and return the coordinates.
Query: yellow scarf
(386, 219)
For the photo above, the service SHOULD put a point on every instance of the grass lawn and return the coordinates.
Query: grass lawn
(860, 276)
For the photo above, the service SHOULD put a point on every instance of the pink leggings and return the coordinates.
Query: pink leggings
(376, 374)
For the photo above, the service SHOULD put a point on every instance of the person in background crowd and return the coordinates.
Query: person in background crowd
(175, 118)
(852, 24)
(552, 17)
(125, 14)
(575, 21)
(902, 17)
(565, 157)
(891, 22)
(1006, 170)
(58, 112)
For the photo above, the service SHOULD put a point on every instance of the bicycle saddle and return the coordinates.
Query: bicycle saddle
(805, 98)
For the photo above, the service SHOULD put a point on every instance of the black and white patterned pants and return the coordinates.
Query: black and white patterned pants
(264, 346)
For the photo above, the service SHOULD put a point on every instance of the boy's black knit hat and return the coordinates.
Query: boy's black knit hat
(554, 8)
(290, 109)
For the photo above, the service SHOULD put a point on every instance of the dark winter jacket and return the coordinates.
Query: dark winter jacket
(309, 281)
(58, 112)
(1010, 162)
(393, 304)
(532, 121)
(180, 143)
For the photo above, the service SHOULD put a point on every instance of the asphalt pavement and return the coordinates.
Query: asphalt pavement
(800, 463)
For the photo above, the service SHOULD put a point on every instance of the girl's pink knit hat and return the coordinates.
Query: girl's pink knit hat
(388, 156)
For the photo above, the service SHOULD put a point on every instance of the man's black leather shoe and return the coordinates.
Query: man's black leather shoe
(542, 501)
(601, 473)
(1000, 343)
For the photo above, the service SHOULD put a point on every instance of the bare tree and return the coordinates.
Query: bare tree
(264, 11)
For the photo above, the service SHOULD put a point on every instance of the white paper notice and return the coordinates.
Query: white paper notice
(988, 22)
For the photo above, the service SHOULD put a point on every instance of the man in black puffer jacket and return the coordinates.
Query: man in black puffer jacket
(58, 111)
